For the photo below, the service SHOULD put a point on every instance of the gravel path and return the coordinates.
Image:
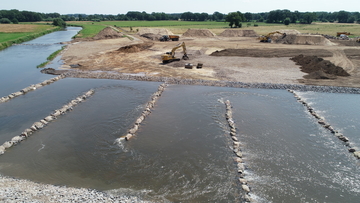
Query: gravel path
(15, 190)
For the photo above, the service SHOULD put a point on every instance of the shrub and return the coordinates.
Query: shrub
(59, 22)
(5, 21)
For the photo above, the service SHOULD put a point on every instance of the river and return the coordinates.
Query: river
(181, 152)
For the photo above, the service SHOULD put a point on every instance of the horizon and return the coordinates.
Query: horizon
(115, 7)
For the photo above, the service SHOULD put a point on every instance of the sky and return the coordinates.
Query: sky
(115, 7)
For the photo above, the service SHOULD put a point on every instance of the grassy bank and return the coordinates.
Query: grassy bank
(18, 33)
(50, 58)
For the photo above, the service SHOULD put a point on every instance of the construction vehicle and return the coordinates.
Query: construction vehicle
(170, 56)
(169, 37)
(338, 34)
(266, 38)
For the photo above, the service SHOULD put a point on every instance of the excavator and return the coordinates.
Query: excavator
(266, 38)
(170, 56)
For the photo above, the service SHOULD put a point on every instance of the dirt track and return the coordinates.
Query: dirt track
(246, 59)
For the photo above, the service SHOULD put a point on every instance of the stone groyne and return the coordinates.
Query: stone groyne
(43, 122)
(237, 150)
(321, 121)
(31, 88)
(149, 105)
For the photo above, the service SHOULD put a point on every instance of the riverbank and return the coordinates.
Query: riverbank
(29, 36)
(16, 190)
(179, 81)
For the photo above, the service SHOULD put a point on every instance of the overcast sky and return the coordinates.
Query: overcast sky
(175, 6)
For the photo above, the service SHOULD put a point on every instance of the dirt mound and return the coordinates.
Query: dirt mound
(108, 33)
(301, 39)
(156, 31)
(151, 36)
(198, 33)
(272, 52)
(239, 33)
(289, 32)
(135, 47)
(318, 68)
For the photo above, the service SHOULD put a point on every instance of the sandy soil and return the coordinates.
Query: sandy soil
(255, 61)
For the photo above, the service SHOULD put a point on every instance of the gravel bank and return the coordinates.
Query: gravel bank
(15, 190)
(179, 81)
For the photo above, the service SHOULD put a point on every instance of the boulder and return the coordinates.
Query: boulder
(245, 188)
(17, 139)
(8, 144)
(38, 125)
(128, 137)
(243, 181)
(49, 118)
(357, 154)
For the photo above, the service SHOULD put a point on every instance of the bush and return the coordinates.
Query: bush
(59, 22)
(5, 21)
(287, 21)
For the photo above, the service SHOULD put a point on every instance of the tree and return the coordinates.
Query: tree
(234, 18)
(5, 21)
(248, 16)
(343, 16)
(59, 22)
(287, 21)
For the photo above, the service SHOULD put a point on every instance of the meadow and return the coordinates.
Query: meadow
(18, 33)
(179, 27)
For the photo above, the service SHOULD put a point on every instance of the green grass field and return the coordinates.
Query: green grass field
(18, 33)
(179, 27)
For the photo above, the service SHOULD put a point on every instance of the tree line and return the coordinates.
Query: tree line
(234, 18)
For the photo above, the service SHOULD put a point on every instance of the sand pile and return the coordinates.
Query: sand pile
(198, 33)
(318, 68)
(156, 31)
(135, 47)
(289, 32)
(301, 39)
(238, 33)
(108, 33)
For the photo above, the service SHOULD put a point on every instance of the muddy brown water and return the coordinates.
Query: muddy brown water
(181, 152)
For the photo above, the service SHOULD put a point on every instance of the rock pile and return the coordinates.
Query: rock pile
(238, 33)
(30, 88)
(321, 120)
(144, 114)
(236, 149)
(43, 122)
(318, 68)
(198, 33)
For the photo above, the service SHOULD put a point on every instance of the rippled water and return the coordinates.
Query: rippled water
(181, 152)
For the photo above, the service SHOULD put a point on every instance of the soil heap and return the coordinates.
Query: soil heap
(301, 39)
(155, 31)
(198, 33)
(238, 33)
(151, 36)
(135, 47)
(108, 33)
(318, 68)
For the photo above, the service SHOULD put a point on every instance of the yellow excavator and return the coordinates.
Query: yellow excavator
(266, 38)
(170, 56)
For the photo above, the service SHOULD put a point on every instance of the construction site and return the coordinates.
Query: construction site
(239, 55)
